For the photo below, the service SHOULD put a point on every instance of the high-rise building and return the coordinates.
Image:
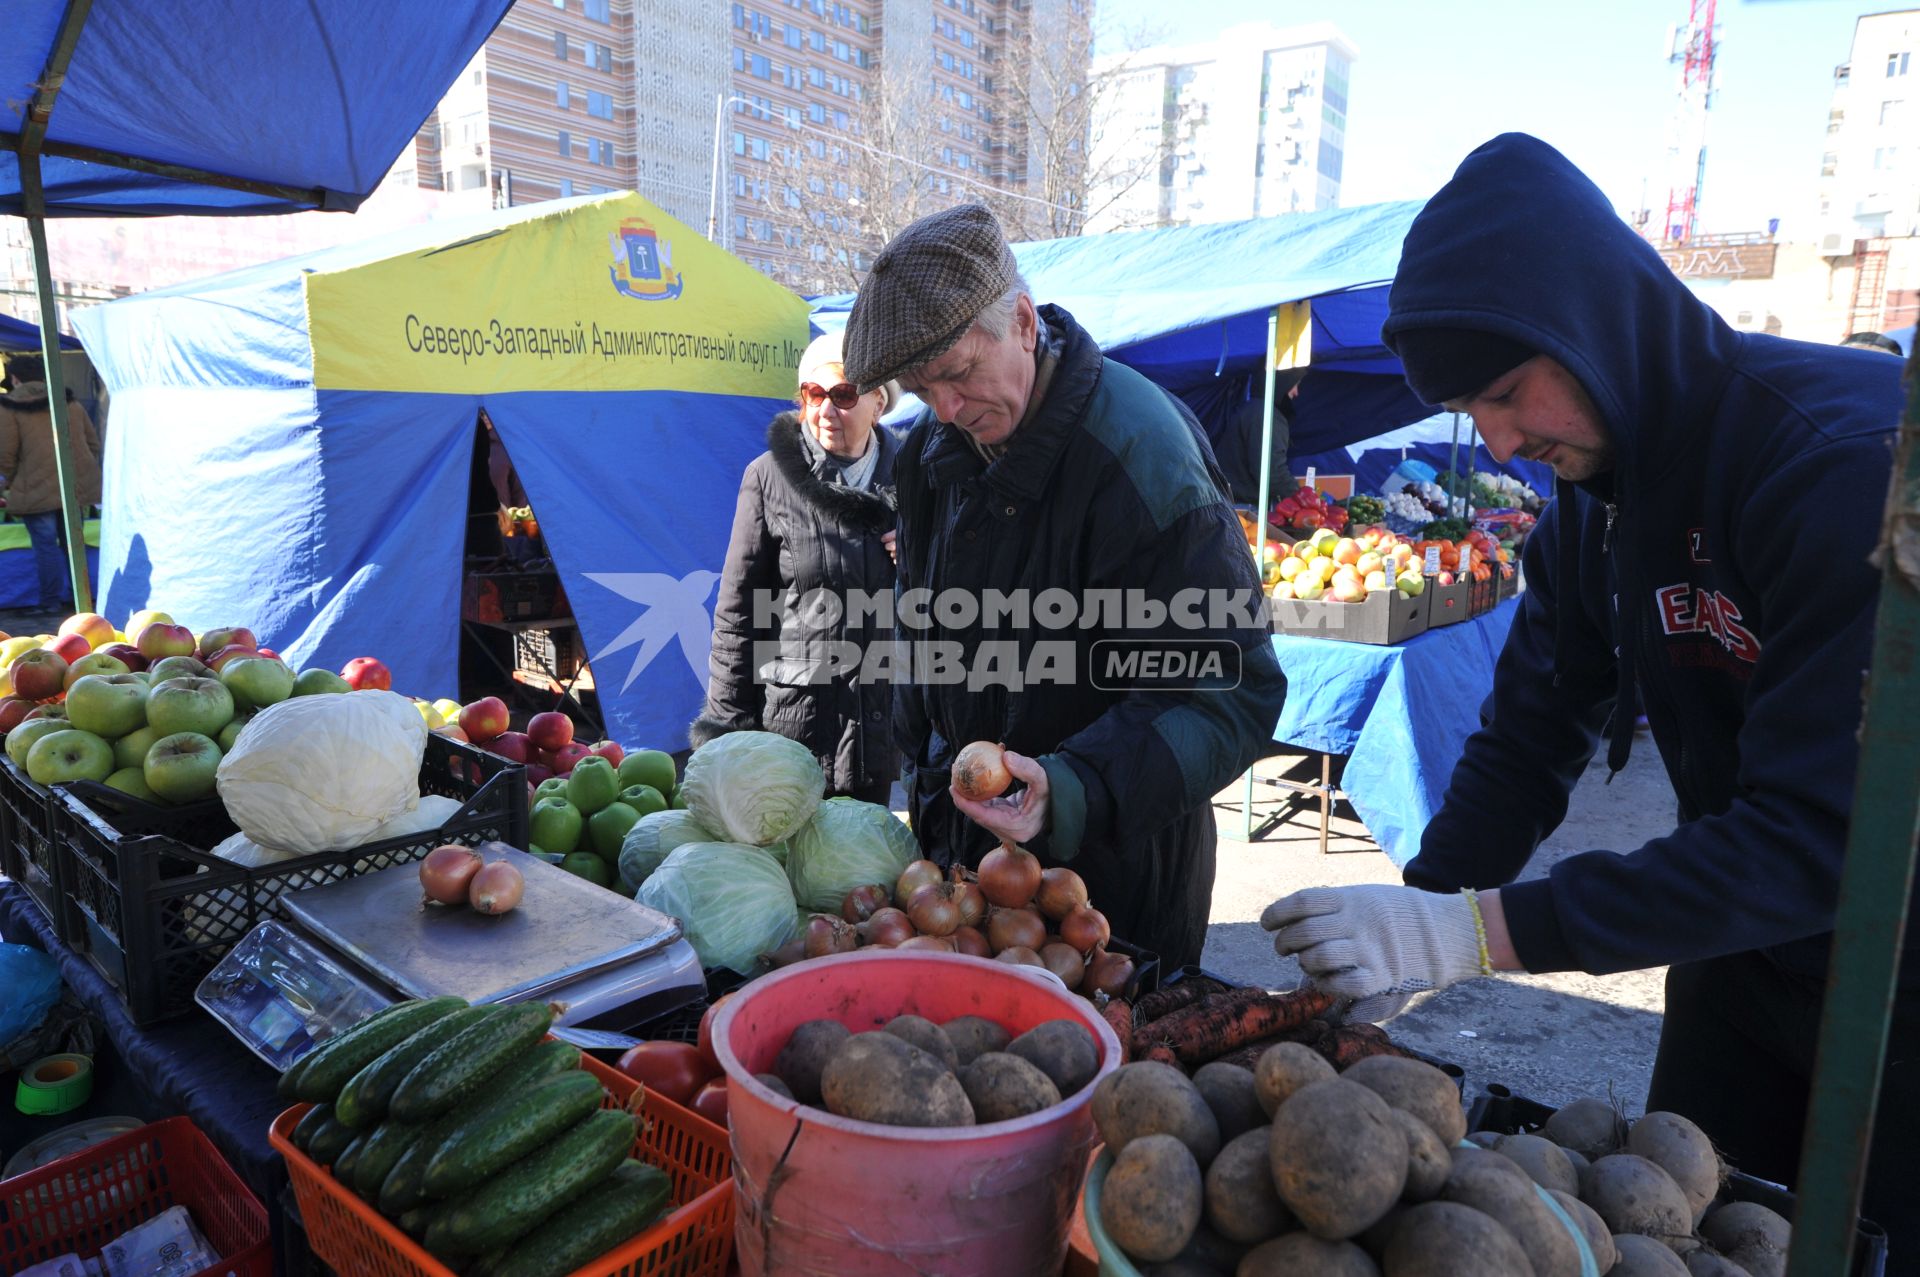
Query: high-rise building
(1250, 124)
(1870, 173)
(802, 132)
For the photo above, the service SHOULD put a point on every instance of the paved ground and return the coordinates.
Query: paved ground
(1552, 1038)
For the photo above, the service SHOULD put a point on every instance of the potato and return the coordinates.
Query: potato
(1339, 1159)
(1759, 1262)
(1229, 1091)
(1151, 1201)
(1242, 1203)
(804, 1058)
(1484, 1139)
(1284, 1069)
(1634, 1196)
(1579, 1161)
(1428, 1161)
(1497, 1188)
(1150, 1098)
(773, 1083)
(973, 1036)
(1544, 1161)
(877, 1077)
(1417, 1087)
(1304, 1255)
(926, 1035)
(1644, 1257)
(1704, 1263)
(1683, 1151)
(1210, 1250)
(1061, 1049)
(1589, 1127)
(1002, 1086)
(1380, 1235)
(1599, 1240)
(1751, 1236)
(1446, 1239)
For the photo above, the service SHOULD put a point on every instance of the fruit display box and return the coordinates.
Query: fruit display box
(1482, 596)
(1509, 585)
(554, 653)
(1451, 604)
(153, 910)
(1499, 1109)
(511, 596)
(1385, 616)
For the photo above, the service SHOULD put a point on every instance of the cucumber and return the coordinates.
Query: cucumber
(330, 1140)
(329, 1068)
(349, 1158)
(303, 1130)
(404, 1189)
(385, 1144)
(614, 1211)
(455, 1069)
(363, 1100)
(414, 1222)
(510, 1204)
(503, 1133)
(288, 1087)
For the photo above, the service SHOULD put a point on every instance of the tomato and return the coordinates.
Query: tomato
(711, 1102)
(707, 1056)
(672, 1069)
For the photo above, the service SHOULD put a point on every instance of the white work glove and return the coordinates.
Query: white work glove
(1377, 944)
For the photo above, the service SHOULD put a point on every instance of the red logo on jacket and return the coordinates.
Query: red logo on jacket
(1690, 609)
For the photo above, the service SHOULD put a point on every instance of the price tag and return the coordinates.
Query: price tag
(1433, 560)
(1310, 471)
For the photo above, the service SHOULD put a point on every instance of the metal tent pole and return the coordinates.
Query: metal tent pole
(1875, 884)
(1260, 521)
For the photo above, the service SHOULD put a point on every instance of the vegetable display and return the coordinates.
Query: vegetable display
(733, 901)
(845, 844)
(755, 788)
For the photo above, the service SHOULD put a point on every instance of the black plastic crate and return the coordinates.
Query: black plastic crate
(1499, 1109)
(153, 910)
(554, 653)
(26, 841)
(513, 596)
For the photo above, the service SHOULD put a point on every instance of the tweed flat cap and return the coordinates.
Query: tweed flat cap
(925, 289)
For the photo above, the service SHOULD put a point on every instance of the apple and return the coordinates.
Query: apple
(108, 705)
(69, 754)
(592, 784)
(125, 653)
(648, 767)
(94, 663)
(644, 799)
(1348, 589)
(230, 736)
(536, 773)
(38, 675)
(319, 682)
(218, 660)
(608, 750)
(428, 714)
(24, 737)
(47, 709)
(178, 667)
(512, 746)
(1445, 578)
(364, 672)
(256, 682)
(133, 782)
(213, 640)
(451, 733)
(97, 630)
(70, 647)
(607, 829)
(556, 824)
(131, 750)
(448, 710)
(1308, 587)
(181, 767)
(141, 620)
(189, 705)
(1376, 580)
(13, 712)
(567, 756)
(161, 639)
(484, 720)
(550, 730)
(14, 648)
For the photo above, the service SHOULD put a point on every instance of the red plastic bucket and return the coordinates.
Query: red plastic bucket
(826, 1196)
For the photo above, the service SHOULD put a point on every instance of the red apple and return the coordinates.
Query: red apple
(162, 639)
(48, 710)
(272, 655)
(536, 773)
(38, 675)
(512, 746)
(220, 656)
(550, 730)
(97, 630)
(213, 640)
(127, 654)
(608, 750)
(13, 712)
(363, 672)
(70, 647)
(567, 755)
(451, 732)
(483, 720)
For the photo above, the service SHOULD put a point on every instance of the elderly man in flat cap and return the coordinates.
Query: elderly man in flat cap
(1074, 583)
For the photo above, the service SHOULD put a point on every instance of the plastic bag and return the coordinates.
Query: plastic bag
(29, 986)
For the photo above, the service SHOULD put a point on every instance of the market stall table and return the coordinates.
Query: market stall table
(1399, 714)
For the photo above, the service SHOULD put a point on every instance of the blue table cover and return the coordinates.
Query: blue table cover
(1399, 713)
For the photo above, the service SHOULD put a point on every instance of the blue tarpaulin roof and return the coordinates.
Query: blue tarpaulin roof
(17, 334)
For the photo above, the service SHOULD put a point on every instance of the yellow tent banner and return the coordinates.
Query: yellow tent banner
(608, 294)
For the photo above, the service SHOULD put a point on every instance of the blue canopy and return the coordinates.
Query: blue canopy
(17, 334)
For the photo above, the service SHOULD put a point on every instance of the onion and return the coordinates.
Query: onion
(786, 955)
(912, 878)
(969, 941)
(887, 928)
(863, 902)
(1009, 876)
(1019, 956)
(496, 888)
(932, 910)
(935, 944)
(1061, 892)
(972, 903)
(827, 935)
(980, 772)
(1085, 928)
(1108, 973)
(1016, 929)
(1065, 963)
(447, 873)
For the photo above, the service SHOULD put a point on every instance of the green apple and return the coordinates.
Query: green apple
(131, 750)
(108, 705)
(199, 705)
(178, 667)
(69, 754)
(316, 682)
(95, 663)
(679, 801)
(256, 682)
(647, 767)
(181, 767)
(131, 780)
(551, 787)
(592, 785)
(644, 799)
(608, 828)
(448, 710)
(23, 738)
(1410, 583)
(584, 864)
(229, 736)
(555, 823)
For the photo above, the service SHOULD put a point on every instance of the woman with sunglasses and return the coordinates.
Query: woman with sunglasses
(812, 532)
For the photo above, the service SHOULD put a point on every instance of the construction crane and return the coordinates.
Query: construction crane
(1691, 48)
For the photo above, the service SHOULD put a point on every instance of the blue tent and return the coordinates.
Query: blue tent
(292, 442)
(17, 334)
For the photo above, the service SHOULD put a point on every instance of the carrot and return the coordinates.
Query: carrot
(1146, 1033)
(1166, 1001)
(1208, 1031)
(1119, 1018)
(1351, 1043)
(1164, 1055)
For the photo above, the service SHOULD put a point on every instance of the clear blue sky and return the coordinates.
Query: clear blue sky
(1435, 78)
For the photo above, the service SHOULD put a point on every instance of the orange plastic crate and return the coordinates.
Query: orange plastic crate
(695, 1239)
(87, 1199)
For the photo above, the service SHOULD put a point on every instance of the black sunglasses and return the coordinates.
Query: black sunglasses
(844, 396)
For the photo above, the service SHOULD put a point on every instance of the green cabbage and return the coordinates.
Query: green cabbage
(649, 841)
(753, 787)
(733, 901)
(847, 844)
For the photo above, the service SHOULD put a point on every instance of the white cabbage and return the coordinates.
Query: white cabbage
(733, 901)
(847, 844)
(753, 787)
(657, 834)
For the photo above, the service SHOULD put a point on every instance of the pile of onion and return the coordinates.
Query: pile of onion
(456, 875)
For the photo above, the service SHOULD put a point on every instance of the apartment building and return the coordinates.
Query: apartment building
(1870, 172)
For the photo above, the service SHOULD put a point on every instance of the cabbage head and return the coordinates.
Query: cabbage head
(847, 844)
(733, 901)
(649, 842)
(753, 787)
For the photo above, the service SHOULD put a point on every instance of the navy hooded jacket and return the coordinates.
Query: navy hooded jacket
(1718, 577)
